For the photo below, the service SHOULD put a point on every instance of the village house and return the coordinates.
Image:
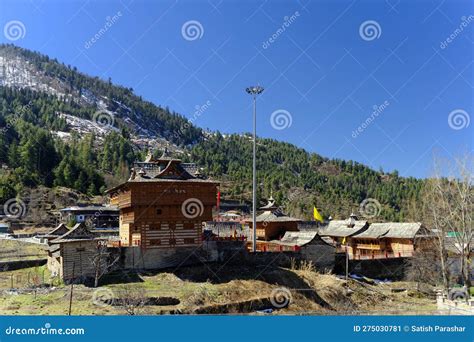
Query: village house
(310, 247)
(361, 240)
(162, 205)
(73, 255)
(96, 216)
(338, 231)
(387, 240)
(54, 234)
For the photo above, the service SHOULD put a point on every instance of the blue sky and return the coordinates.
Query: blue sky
(323, 72)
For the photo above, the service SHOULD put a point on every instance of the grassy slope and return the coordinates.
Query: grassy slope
(236, 285)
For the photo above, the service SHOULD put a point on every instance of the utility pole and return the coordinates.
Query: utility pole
(254, 91)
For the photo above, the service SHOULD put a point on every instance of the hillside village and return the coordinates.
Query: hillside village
(168, 217)
(111, 204)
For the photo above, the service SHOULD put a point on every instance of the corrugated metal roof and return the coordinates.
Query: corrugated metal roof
(341, 228)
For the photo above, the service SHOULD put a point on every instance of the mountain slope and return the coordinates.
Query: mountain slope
(63, 128)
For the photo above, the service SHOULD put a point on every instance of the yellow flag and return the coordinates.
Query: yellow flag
(317, 215)
(344, 240)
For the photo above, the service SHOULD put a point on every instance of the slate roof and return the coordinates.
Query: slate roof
(56, 232)
(269, 216)
(374, 231)
(78, 233)
(227, 229)
(340, 228)
(298, 238)
(161, 170)
(401, 230)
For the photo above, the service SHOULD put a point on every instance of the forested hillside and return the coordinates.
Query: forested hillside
(35, 108)
(307, 179)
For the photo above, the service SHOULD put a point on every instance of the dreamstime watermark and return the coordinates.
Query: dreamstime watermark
(370, 30)
(192, 208)
(103, 297)
(14, 208)
(46, 330)
(109, 22)
(14, 30)
(281, 119)
(370, 208)
(377, 110)
(459, 119)
(199, 110)
(465, 21)
(16, 116)
(287, 21)
(103, 118)
(192, 30)
(281, 297)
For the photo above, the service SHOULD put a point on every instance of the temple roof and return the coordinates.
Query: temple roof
(163, 169)
(270, 205)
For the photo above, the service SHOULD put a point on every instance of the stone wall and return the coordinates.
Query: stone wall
(226, 252)
(393, 268)
(322, 256)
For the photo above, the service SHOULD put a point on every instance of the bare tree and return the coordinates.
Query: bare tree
(131, 298)
(103, 261)
(449, 209)
(424, 267)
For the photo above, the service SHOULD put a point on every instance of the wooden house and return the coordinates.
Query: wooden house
(54, 234)
(362, 241)
(340, 230)
(273, 223)
(162, 205)
(387, 240)
(73, 255)
(95, 216)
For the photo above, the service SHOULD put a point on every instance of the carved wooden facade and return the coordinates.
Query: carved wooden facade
(162, 205)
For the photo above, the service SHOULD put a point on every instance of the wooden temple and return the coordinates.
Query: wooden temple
(272, 223)
(163, 205)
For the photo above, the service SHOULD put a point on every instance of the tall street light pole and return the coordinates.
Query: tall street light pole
(254, 91)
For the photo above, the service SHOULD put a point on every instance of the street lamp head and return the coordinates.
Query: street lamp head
(255, 90)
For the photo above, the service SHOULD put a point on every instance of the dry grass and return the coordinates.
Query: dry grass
(236, 289)
(12, 250)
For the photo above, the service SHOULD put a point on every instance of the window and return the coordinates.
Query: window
(189, 241)
(159, 211)
(154, 227)
(155, 242)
